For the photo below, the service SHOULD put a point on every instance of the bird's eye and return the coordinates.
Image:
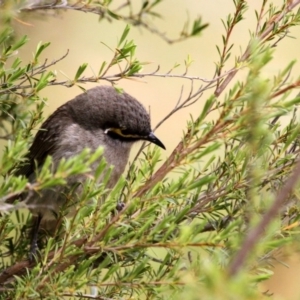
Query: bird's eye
(122, 133)
(125, 132)
(117, 131)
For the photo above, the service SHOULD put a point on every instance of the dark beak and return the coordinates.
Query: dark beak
(153, 139)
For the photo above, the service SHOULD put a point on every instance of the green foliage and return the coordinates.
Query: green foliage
(188, 218)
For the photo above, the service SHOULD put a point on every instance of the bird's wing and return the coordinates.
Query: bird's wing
(42, 146)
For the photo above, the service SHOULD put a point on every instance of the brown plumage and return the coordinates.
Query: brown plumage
(99, 117)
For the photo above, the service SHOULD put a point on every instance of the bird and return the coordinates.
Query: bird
(100, 116)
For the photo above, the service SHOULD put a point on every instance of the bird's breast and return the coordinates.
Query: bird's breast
(74, 139)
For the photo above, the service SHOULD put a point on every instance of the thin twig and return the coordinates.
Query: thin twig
(135, 20)
(269, 28)
(256, 233)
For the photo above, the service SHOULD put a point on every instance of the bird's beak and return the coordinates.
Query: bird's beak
(153, 139)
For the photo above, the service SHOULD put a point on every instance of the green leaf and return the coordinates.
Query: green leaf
(22, 41)
(198, 27)
(40, 48)
(80, 70)
(208, 104)
(124, 35)
(101, 68)
(16, 75)
(113, 15)
(43, 81)
(208, 149)
(200, 182)
(135, 67)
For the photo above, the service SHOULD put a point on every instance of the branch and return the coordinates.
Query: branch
(104, 12)
(256, 233)
(262, 37)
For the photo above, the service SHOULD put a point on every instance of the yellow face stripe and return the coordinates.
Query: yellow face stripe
(119, 132)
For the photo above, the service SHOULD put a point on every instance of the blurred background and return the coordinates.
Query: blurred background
(90, 41)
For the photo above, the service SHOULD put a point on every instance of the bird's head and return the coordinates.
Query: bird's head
(119, 115)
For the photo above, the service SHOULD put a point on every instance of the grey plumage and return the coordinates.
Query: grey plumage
(99, 117)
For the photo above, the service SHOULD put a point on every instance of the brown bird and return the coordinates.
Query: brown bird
(99, 117)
